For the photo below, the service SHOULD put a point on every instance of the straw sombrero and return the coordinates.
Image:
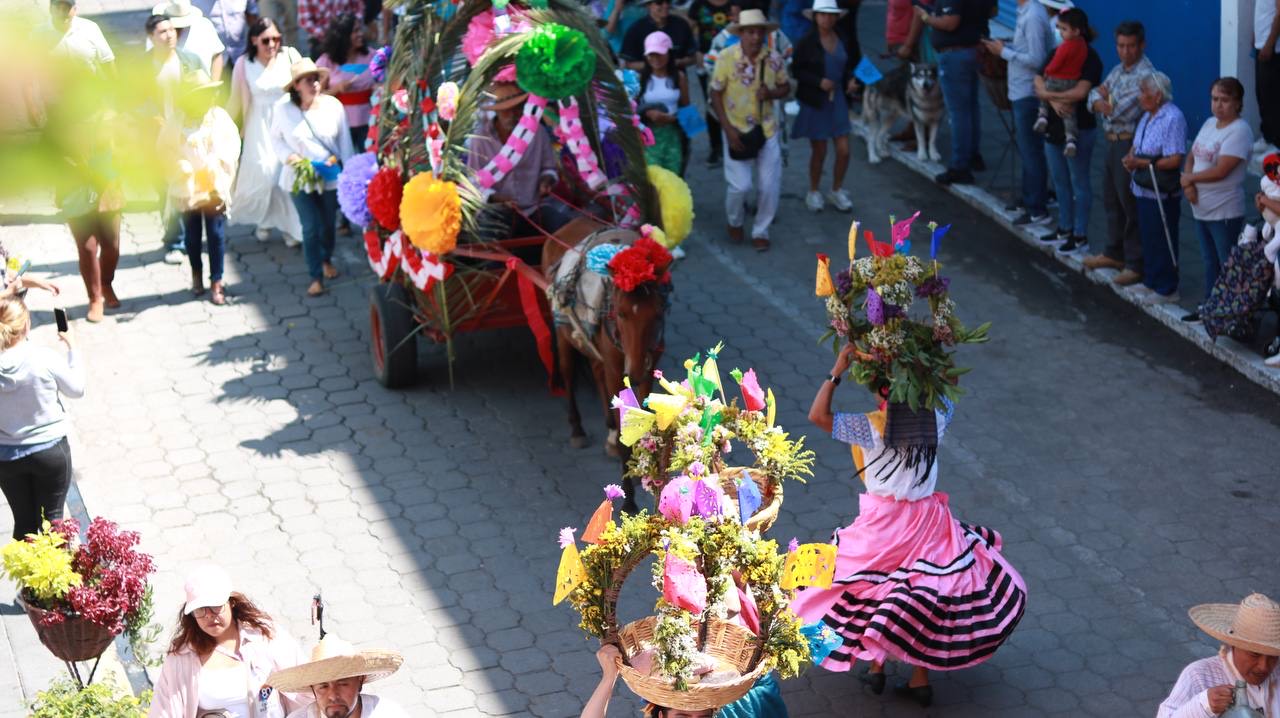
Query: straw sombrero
(181, 13)
(332, 660)
(751, 18)
(1253, 624)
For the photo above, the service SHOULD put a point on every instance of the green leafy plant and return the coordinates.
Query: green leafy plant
(41, 565)
(105, 699)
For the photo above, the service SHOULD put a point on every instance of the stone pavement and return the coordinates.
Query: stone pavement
(1111, 455)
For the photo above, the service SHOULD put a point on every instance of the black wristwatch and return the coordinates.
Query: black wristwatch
(833, 379)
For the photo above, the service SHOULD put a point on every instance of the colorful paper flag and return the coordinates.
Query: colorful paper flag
(752, 394)
(878, 249)
(823, 640)
(823, 286)
(813, 564)
(771, 408)
(710, 419)
(899, 232)
(676, 500)
(683, 586)
(867, 72)
(599, 522)
(666, 407)
(706, 499)
(749, 498)
(711, 369)
(570, 573)
(938, 233)
(635, 424)
(853, 241)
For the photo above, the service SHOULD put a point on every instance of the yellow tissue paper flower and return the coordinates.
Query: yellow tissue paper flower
(431, 213)
(677, 205)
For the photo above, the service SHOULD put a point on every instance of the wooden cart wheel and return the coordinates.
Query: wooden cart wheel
(391, 325)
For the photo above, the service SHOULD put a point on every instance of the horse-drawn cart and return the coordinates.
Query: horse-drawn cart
(445, 267)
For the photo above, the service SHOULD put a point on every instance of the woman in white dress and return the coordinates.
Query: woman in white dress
(256, 84)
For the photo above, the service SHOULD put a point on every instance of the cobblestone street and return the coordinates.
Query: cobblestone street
(1124, 468)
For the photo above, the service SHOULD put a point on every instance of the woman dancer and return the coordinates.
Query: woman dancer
(912, 583)
(257, 83)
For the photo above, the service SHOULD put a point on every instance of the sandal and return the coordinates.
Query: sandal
(109, 295)
(218, 294)
(330, 271)
(316, 289)
(761, 244)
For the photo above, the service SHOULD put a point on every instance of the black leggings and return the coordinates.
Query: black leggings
(36, 487)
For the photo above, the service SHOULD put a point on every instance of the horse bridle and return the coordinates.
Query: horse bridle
(611, 323)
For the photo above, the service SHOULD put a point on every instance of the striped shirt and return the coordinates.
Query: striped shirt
(1122, 84)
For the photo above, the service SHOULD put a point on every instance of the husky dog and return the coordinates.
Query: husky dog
(909, 91)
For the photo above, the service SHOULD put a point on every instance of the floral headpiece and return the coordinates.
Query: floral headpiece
(643, 262)
(898, 356)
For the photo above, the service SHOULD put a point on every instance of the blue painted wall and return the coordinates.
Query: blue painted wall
(1183, 40)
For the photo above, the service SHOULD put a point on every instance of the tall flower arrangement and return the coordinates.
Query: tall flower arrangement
(902, 356)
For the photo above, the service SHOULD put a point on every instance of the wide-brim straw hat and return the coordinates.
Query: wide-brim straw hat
(333, 659)
(752, 18)
(302, 68)
(1253, 624)
(504, 96)
(827, 7)
(181, 13)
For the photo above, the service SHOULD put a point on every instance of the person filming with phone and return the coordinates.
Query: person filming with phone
(35, 458)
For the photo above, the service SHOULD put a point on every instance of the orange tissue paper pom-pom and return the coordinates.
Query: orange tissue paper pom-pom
(431, 213)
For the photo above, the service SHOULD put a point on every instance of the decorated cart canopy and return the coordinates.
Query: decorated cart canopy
(425, 201)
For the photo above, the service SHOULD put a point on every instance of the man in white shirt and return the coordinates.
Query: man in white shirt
(336, 676)
(196, 34)
(77, 39)
(1250, 634)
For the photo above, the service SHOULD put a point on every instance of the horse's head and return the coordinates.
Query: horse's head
(639, 298)
(639, 317)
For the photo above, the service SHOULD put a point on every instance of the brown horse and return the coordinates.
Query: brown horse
(626, 343)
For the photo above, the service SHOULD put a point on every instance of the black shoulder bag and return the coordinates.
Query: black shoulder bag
(1162, 182)
(753, 141)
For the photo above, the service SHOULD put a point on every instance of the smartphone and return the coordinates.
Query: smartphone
(60, 316)
(23, 270)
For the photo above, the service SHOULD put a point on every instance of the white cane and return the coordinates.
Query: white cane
(1164, 222)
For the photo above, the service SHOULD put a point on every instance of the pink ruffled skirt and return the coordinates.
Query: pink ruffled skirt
(915, 585)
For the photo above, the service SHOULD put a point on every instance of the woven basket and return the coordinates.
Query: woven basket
(75, 639)
(764, 516)
(724, 641)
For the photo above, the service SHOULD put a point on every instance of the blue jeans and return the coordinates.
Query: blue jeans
(318, 212)
(1071, 182)
(1159, 268)
(1035, 170)
(1217, 237)
(958, 75)
(213, 222)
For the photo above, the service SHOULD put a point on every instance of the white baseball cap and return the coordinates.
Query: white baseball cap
(206, 587)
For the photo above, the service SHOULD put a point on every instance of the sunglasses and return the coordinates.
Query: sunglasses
(269, 40)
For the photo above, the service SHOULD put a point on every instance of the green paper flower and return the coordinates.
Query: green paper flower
(555, 62)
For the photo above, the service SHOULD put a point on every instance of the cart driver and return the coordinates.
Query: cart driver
(522, 199)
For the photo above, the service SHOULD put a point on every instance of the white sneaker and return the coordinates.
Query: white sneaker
(1273, 360)
(175, 256)
(677, 252)
(292, 241)
(262, 233)
(840, 199)
(814, 201)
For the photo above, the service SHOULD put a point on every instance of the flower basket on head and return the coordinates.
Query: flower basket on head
(721, 620)
(728, 643)
(78, 594)
(690, 429)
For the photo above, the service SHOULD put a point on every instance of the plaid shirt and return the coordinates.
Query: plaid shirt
(1123, 85)
(314, 16)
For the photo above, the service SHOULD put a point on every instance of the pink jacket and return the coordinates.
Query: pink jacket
(177, 693)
